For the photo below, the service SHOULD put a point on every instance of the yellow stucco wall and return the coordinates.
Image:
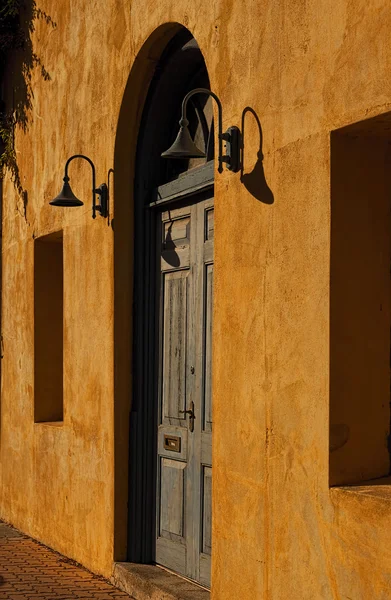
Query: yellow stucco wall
(306, 68)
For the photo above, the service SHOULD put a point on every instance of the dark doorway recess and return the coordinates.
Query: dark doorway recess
(173, 202)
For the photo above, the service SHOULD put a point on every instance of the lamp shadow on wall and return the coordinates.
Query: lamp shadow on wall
(170, 249)
(255, 181)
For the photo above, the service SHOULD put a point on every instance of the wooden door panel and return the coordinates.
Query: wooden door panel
(175, 334)
(176, 231)
(171, 555)
(175, 240)
(209, 223)
(207, 511)
(205, 569)
(172, 488)
(206, 448)
(206, 545)
(208, 322)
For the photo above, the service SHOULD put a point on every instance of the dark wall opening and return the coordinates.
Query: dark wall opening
(48, 328)
(360, 299)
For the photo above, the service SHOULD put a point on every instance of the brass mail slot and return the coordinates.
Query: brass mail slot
(172, 442)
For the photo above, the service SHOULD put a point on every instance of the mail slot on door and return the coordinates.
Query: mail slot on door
(172, 442)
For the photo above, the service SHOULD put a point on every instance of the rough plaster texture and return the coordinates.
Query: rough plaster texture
(306, 68)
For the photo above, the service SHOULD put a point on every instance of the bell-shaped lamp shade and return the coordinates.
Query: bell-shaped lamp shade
(66, 197)
(183, 147)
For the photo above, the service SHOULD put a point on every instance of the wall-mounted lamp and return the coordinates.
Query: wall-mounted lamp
(184, 147)
(67, 198)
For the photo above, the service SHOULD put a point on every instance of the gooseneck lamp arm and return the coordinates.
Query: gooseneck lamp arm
(67, 198)
(185, 122)
(94, 190)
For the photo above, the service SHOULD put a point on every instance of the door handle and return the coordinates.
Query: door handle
(191, 414)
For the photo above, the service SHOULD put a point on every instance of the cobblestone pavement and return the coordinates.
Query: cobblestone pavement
(31, 571)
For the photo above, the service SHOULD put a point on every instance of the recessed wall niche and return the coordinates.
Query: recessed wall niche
(48, 328)
(360, 302)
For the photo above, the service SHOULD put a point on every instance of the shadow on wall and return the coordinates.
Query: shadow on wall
(255, 181)
(170, 248)
(17, 62)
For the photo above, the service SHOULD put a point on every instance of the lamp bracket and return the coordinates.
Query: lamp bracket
(233, 143)
(102, 192)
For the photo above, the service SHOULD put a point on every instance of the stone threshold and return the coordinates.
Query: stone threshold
(149, 582)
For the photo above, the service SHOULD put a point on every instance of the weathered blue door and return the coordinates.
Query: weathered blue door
(184, 470)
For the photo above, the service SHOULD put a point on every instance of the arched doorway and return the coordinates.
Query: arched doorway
(171, 424)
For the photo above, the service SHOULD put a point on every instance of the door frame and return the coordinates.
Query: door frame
(143, 416)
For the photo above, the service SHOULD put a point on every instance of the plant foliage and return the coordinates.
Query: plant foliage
(17, 61)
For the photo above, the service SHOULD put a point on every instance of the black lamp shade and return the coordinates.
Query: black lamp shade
(183, 147)
(66, 197)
